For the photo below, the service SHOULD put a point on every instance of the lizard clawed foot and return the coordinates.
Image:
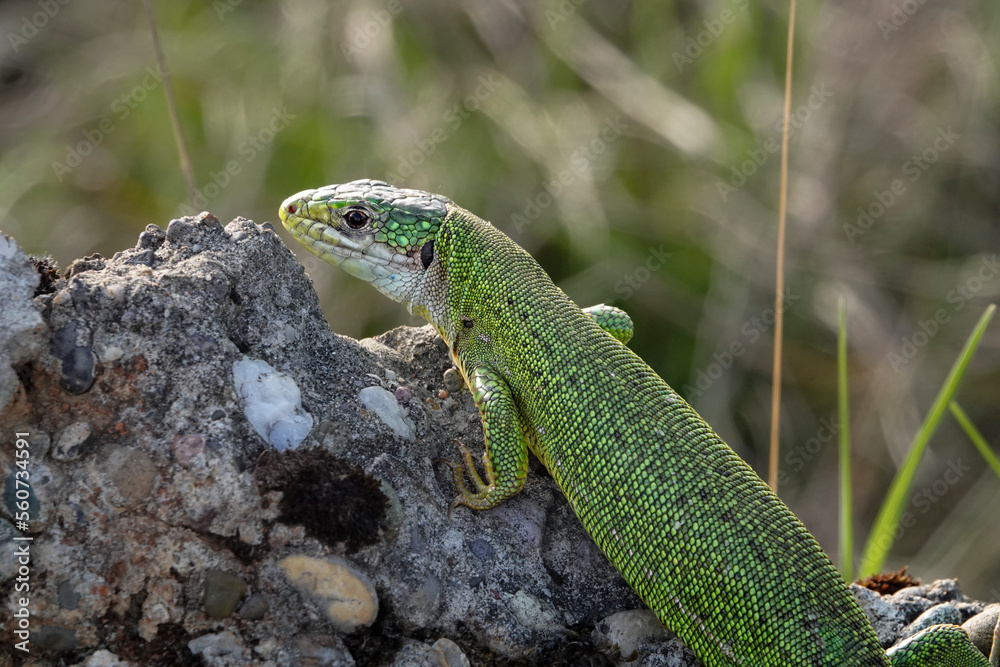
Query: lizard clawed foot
(475, 500)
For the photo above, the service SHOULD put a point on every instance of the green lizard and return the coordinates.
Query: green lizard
(714, 553)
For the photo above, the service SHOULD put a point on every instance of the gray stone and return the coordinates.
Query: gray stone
(255, 607)
(73, 438)
(223, 591)
(388, 409)
(222, 648)
(622, 635)
(981, 627)
(54, 638)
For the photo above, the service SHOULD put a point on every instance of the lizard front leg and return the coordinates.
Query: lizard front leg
(505, 460)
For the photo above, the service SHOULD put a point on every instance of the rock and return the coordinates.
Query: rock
(317, 651)
(133, 474)
(68, 597)
(621, 636)
(187, 447)
(71, 345)
(21, 325)
(534, 613)
(54, 638)
(887, 618)
(255, 607)
(345, 594)
(71, 440)
(223, 591)
(223, 649)
(982, 626)
(937, 615)
(272, 403)
(389, 410)
(453, 380)
(442, 653)
(104, 658)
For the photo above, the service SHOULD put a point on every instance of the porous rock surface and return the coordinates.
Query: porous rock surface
(218, 479)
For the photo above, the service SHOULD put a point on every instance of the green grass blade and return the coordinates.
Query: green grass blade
(975, 436)
(846, 510)
(887, 522)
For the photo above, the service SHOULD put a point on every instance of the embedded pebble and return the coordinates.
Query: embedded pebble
(151, 240)
(621, 635)
(68, 598)
(71, 441)
(388, 409)
(219, 645)
(390, 375)
(146, 258)
(54, 638)
(272, 403)
(105, 658)
(452, 380)
(482, 549)
(320, 650)
(111, 353)
(187, 447)
(76, 361)
(442, 653)
(133, 473)
(347, 595)
(223, 591)
(255, 607)
(425, 602)
(116, 293)
(533, 613)
(403, 395)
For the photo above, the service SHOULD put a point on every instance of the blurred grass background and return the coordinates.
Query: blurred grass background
(632, 148)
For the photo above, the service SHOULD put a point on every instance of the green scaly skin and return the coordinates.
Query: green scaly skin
(705, 543)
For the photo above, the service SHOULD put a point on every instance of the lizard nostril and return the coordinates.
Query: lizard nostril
(291, 208)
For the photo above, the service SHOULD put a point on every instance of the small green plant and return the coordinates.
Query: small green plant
(883, 532)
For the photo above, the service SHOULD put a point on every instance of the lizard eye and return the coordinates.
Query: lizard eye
(357, 218)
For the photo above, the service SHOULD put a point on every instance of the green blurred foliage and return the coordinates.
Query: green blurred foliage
(493, 103)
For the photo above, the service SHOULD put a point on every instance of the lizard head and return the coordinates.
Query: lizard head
(371, 230)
